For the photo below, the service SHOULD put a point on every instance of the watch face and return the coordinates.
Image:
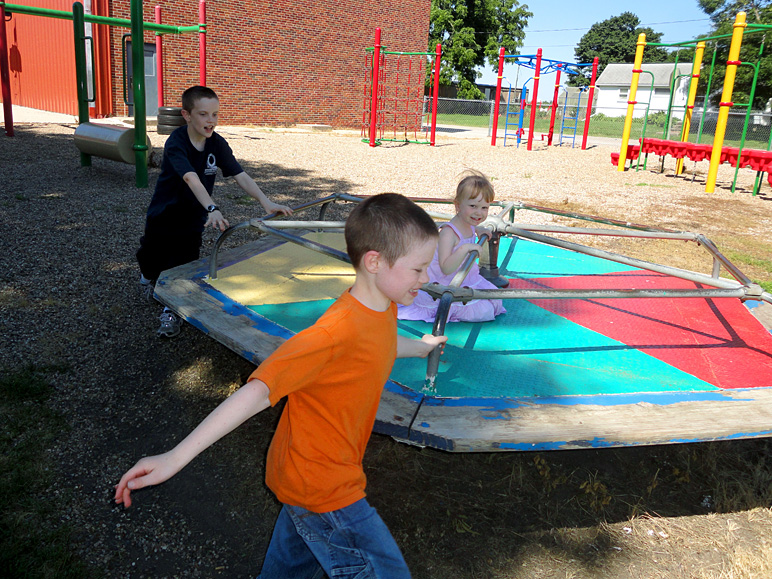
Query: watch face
(211, 208)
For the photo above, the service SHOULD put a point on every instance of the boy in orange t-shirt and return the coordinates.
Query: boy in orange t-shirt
(332, 374)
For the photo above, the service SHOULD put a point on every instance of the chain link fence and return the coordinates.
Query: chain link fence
(479, 114)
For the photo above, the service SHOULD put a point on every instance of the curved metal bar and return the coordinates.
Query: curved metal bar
(300, 224)
(217, 244)
(593, 218)
(717, 255)
(323, 210)
(466, 265)
(307, 243)
(252, 222)
(615, 257)
(443, 311)
(440, 320)
(465, 294)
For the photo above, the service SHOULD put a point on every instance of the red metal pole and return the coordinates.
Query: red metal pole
(589, 103)
(374, 96)
(554, 108)
(495, 127)
(202, 42)
(435, 96)
(535, 101)
(5, 76)
(159, 58)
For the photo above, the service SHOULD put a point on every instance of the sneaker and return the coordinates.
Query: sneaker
(146, 288)
(170, 325)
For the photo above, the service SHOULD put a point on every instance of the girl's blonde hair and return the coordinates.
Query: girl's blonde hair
(474, 184)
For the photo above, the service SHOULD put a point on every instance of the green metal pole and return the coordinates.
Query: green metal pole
(666, 130)
(138, 71)
(707, 95)
(94, 19)
(81, 75)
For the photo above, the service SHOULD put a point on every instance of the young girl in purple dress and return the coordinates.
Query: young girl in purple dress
(474, 195)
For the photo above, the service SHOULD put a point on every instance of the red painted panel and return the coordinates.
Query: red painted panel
(41, 54)
(716, 340)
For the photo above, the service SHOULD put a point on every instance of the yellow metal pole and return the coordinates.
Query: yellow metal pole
(726, 100)
(698, 54)
(631, 102)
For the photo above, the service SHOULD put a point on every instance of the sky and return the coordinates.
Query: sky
(557, 26)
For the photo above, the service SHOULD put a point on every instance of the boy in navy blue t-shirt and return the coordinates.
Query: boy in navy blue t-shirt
(182, 205)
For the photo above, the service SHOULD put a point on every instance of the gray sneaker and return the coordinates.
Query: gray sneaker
(170, 325)
(146, 288)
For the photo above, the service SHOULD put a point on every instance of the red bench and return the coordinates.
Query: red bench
(755, 159)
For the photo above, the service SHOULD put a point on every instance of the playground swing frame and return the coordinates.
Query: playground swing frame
(137, 26)
(552, 65)
(733, 62)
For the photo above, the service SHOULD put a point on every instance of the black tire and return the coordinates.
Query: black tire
(166, 129)
(172, 111)
(170, 120)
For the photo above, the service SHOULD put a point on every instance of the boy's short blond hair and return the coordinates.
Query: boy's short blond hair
(194, 94)
(390, 224)
(474, 184)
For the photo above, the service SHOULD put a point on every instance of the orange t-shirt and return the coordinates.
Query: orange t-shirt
(332, 375)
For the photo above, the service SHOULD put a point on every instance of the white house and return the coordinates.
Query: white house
(613, 86)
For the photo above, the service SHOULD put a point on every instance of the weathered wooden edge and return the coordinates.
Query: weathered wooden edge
(185, 290)
(763, 313)
(593, 421)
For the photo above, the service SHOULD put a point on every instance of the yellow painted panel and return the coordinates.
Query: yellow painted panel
(287, 273)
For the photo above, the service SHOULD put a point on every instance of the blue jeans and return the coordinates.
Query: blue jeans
(350, 543)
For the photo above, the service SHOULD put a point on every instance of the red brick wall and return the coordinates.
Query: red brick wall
(279, 63)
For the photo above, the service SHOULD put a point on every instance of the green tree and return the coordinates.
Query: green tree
(471, 32)
(722, 14)
(614, 40)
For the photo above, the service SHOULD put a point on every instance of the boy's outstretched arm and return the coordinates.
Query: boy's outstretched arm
(409, 348)
(248, 184)
(215, 218)
(233, 411)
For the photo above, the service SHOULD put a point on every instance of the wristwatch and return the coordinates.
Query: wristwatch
(212, 208)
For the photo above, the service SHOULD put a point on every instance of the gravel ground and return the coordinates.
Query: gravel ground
(69, 299)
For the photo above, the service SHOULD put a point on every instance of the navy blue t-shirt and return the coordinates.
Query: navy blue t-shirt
(173, 199)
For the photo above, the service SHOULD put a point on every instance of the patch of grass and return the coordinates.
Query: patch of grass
(653, 185)
(760, 263)
(32, 543)
(242, 199)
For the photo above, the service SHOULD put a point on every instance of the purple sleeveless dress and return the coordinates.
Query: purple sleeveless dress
(424, 308)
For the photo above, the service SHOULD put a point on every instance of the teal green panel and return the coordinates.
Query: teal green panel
(527, 259)
(526, 352)
(531, 352)
(294, 316)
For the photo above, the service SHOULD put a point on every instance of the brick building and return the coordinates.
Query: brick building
(271, 62)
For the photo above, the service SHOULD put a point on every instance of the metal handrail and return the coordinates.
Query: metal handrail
(443, 311)
(741, 287)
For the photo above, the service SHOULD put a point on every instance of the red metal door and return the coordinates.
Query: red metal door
(41, 56)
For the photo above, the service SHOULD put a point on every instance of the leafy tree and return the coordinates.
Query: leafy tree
(614, 40)
(471, 32)
(722, 14)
